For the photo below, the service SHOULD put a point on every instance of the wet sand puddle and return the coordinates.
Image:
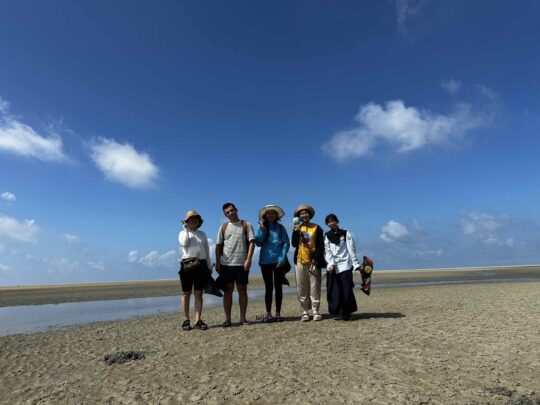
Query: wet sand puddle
(37, 318)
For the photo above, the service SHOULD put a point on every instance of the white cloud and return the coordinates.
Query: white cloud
(133, 256)
(488, 228)
(168, 255)
(122, 163)
(96, 265)
(405, 10)
(392, 231)
(150, 259)
(61, 265)
(436, 252)
(8, 196)
(21, 139)
(71, 238)
(25, 231)
(1, 248)
(452, 86)
(4, 270)
(4, 106)
(403, 129)
(489, 93)
(154, 258)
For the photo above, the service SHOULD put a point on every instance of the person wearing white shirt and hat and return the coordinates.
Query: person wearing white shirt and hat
(195, 267)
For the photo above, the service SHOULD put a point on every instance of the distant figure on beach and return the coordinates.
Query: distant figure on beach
(308, 241)
(195, 267)
(340, 254)
(274, 243)
(234, 251)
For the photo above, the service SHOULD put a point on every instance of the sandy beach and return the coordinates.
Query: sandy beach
(442, 344)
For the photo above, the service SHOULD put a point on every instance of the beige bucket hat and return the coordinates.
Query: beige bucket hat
(303, 207)
(279, 211)
(191, 214)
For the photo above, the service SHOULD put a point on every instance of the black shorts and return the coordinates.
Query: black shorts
(195, 279)
(235, 274)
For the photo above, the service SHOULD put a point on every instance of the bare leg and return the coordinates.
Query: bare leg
(198, 304)
(227, 301)
(243, 300)
(186, 295)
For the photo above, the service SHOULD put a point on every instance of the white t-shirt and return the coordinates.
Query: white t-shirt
(194, 244)
(235, 245)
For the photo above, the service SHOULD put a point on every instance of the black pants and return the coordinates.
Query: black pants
(340, 294)
(272, 278)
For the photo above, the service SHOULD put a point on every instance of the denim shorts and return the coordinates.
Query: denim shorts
(235, 274)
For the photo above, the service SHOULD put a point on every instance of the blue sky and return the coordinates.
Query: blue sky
(416, 122)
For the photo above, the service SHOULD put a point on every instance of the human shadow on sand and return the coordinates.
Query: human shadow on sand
(326, 317)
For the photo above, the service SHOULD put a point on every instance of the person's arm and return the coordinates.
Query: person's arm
(328, 254)
(284, 247)
(352, 251)
(295, 238)
(259, 238)
(319, 248)
(207, 251)
(183, 237)
(219, 249)
(251, 248)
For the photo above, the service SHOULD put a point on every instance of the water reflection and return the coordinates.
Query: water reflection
(36, 318)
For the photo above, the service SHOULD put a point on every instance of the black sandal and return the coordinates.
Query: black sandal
(186, 325)
(201, 325)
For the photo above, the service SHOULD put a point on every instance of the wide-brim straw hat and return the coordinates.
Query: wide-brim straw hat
(303, 207)
(279, 211)
(191, 214)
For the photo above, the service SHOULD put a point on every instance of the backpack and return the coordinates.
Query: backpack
(244, 229)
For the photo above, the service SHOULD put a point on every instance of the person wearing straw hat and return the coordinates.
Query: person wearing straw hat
(308, 241)
(273, 240)
(195, 267)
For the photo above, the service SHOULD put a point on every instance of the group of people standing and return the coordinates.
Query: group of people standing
(235, 245)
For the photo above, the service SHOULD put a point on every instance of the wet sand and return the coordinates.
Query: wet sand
(443, 344)
(55, 294)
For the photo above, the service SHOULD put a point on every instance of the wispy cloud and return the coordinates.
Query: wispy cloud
(25, 231)
(452, 86)
(122, 163)
(392, 231)
(405, 9)
(154, 258)
(71, 238)
(8, 196)
(60, 265)
(488, 228)
(133, 256)
(96, 265)
(4, 106)
(21, 139)
(403, 129)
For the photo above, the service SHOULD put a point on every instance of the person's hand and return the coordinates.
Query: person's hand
(330, 268)
(280, 265)
(247, 265)
(218, 267)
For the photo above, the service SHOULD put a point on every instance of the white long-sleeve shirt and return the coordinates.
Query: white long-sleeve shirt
(194, 244)
(343, 255)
